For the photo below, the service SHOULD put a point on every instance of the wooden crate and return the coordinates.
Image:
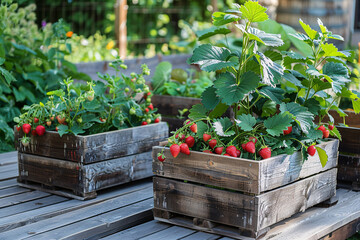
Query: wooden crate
(239, 197)
(79, 166)
(169, 106)
(349, 156)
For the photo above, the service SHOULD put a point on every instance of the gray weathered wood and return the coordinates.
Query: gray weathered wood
(8, 183)
(139, 231)
(8, 158)
(23, 197)
(96, 147)
(201, 236)
(171, 233)
(252, 213)
(169, 105)
(242, 174)
(83, 179)
(12, 191)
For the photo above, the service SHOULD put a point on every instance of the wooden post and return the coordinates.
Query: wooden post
(121, 8)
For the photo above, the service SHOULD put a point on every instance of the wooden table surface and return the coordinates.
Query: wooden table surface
(125, 212)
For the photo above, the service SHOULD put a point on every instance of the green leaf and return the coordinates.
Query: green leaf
(254, 12)
(212, 31)
(268, 39)
(209, 98)
(223, 127)
(76, 130)
(19, 96)
(229, 92)
(313, 106)
(275, 94)
(300, 114)
(221, 18)
(7, 75)
(308, 30)
(161, 75)
(332, 69)
(356, 105)
(246, 122)
(198, 111)
(304, 153)
(271, 71)
(335, 132)
(28, 94)
(59, 93)
(63, 129)
(201, 128)
(292, 79)
(211, 58)
(322, 155)
(331, 51)
(299, 44)
(23, 48)
(314, 134)
(268, 109)
(271, 26)
(277, 124)
(219, 110)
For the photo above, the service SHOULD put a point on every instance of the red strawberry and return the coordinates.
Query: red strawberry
(206, 137)
(144, 123)
(254, 139)
(182, 137)
(311, 150)
(151, 106)
(212, 143)
(219, 150)
(36, 120)
(33, 132)
(184, 148)
(331, 127)
(265, 153)
(231, 150)
(26, 128)
(326, 133)
(243, 146)
(177, 135)
(322, 128)
(56, 129)
(288, 131)
(188, 121)
(60, 120)
(238, 152)
(250, 147)
(40, 130)
(102, 119)
(207, 151)
(193, 128)
(175, 150)
(190, 141)
(161, 158)
(157, 120)
(18, 128)
(147, 110)
(227, 155)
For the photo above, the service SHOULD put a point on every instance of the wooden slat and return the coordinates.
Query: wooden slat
(242, 174)
(84, 179)
(89, 221)
(8, 183)
(253, 213)
(139, 231)
(171, 233)
(350, 139)
(201, 236)
(23, 197)
(344, 232)
(169, 105)
(96, 147)
(31, 205)
(8, 158)
(12, 191)
(8, 168)
(37, 215)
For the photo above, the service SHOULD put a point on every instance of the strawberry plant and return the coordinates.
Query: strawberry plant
(117, 102)
(275, 95)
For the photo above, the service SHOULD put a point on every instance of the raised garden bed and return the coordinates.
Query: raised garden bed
(79, 166)
(239, 197)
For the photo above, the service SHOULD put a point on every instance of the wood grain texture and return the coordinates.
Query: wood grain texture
(170, 105)
(96, 147)
(350, 140)
(242, 174)
(83, 179)
(252, 214)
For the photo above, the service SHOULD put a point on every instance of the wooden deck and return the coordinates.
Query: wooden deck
(125, 212)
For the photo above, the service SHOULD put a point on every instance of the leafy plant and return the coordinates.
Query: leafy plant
(275, 95)
(178, 82)
(120, 102)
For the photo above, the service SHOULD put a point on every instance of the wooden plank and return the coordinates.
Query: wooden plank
(12, 191)
(350, 139)
(201, 236)
(83, 179)
(8, 158)
(31, 205)
(20, 198)
(87, 220)
(252, 213)
(96, 147)
(8, 175)
(171, 233)
(242, 174)
(8, 183)
(283, 169)
(139, 231)
(170, 105)
(25, 218)
(344, 232)
(316, 223)
(120, 26)
(9, 168)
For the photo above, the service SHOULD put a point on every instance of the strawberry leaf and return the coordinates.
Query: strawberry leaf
(271, 71)
(223, 127)
(212, 31)
(201, 128)
(275, 94)
(267, 39)
(161, 75)
(269, 108)
(322, 155)
(277, 124)
(253, 11)
(219, 110)
(308, 30)
(335, 132)
(300, 114)
(209, 98)
(230, 92)
(211, 58)
(221, 18)
(331, 51)
(198, 111)
(246, 122)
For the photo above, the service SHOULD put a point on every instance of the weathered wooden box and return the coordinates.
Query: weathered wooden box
(79, 166)
(349, 156)
(169, 106)
(239, 197)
